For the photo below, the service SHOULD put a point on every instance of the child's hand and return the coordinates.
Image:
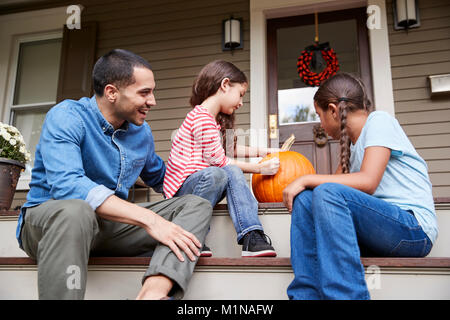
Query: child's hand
(289, 193)
(273, 150)
(269, 167)
(265, 151)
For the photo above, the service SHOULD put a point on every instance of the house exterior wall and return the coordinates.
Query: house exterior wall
(415, 55)
(178, 38)
(11, 27)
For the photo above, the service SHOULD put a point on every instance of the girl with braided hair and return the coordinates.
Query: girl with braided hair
(378, 203)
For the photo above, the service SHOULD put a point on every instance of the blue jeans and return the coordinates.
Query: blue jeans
(331, 226)
(214, 183)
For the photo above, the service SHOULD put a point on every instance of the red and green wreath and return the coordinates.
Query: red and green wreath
(304, 63)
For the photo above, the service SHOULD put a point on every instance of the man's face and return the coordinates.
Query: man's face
(135, 100)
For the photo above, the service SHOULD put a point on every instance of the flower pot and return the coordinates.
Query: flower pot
(9, 176)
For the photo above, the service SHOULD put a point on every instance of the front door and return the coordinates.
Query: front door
(291, 108)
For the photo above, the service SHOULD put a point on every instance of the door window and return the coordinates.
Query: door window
(295, 98)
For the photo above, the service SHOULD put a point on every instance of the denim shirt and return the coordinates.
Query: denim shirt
(81, 156)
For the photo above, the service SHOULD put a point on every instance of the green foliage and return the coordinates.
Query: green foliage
(301, 115)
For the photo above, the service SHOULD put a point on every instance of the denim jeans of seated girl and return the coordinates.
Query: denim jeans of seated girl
(330, 224)
(214, 183)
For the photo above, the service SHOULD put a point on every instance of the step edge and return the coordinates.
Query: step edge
(432, 262)
(222, 209)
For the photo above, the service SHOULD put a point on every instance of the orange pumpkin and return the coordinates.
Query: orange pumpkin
(292, 165)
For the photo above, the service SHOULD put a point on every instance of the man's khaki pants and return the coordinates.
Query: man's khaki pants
(62, 234)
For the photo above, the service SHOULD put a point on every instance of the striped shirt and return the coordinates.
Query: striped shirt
(197, 145)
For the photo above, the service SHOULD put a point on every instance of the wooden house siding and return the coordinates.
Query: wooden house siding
(415, 55)
(178, 38)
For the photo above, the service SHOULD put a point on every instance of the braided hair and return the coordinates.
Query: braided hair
(348, 93)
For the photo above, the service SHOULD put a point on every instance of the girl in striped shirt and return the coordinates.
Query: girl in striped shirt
(198, 164)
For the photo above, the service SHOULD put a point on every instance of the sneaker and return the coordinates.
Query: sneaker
(206, 251)
(257, 244)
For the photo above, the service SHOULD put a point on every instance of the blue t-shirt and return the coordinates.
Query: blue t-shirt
(405, 182)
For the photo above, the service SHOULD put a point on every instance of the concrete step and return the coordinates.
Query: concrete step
(222, 236)
(227, 276)
(237, 278)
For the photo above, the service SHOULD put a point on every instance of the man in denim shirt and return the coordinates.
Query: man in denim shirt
(90, 153)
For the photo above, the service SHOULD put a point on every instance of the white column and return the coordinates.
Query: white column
(258, 78)
(381, 62)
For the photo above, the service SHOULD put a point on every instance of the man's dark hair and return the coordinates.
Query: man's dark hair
(116, 67)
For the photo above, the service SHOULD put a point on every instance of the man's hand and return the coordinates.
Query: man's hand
(175, 237)
(160, 229)
(273, 150)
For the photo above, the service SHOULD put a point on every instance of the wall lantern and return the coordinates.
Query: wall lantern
(232, 34)
(439, 84)
(406, 14)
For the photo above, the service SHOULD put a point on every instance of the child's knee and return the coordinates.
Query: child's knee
(219, 176)
(233, 171)
(327, 189)
(302, 201)
(303, 197)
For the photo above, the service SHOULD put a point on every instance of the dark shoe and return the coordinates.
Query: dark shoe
(206, 251)
(257, 244)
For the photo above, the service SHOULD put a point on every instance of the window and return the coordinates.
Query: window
(295, 98)
(35, 83)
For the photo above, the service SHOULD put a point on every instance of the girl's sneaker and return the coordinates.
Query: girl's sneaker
(257, 244)
(206, 251)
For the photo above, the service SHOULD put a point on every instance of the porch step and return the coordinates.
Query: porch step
(228, 276)
(222, 236)
(236, 278)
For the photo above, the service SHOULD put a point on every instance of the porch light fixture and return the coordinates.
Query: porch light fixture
(232, 34)
(406, 14)
(439, 84)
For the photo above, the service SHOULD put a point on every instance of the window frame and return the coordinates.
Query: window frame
(23, 183)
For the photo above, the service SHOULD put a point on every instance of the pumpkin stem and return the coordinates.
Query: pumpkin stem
(288, 143)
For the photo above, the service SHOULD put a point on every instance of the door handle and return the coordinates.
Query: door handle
(320, 136)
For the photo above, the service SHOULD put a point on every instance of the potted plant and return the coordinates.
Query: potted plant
(13, 156)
